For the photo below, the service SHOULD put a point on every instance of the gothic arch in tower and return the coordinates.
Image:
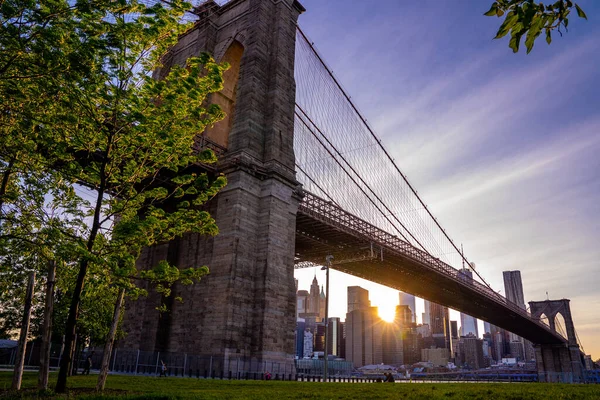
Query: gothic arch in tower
(227, 97)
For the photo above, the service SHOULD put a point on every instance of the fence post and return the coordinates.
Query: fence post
(137, 361)
(184, 364)
(210, 368)
(30, 353)
(114, 360)
(237, 366)
(156, 368)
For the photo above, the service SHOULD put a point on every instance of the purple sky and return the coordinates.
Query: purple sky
(502, 147)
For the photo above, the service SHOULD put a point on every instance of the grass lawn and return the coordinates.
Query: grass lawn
(131, 387)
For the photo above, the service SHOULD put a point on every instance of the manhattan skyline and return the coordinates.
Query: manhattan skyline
(501, 146)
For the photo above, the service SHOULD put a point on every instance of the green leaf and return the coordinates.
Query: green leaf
(514, 43)
(548, 36)
(511, 19)
(492, 10)
(533, 32)
(580, 12)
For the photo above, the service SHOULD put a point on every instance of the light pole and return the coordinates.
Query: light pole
(328, 260)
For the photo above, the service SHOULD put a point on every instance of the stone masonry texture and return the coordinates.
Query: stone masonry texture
(245, 307)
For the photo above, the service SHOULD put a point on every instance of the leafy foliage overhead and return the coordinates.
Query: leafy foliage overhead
(530, 19)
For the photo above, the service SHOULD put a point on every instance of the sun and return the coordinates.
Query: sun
(387, 313)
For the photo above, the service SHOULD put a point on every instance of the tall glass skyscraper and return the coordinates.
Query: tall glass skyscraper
(513, 287)
(409, 300)
(427, 313)
(468, 324)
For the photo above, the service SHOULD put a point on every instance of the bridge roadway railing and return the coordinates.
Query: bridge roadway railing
(331, 214)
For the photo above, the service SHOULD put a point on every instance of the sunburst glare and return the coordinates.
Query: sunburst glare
(387, 312)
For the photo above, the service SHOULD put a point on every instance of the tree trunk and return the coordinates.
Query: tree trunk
(74, 358)
(110, 341)
(71, 325)
(20, 361)
(47, 329)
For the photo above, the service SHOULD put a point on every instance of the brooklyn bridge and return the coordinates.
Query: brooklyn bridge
(307, 178)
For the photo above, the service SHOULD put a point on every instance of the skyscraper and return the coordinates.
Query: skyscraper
(322, 303)
(301, 302)
(513, 287)
(407, 299)
(314, 303)
(440, 325)
(468, 324)
(403, 317)
(364, 337)
(487, 327)
(335, 337)
(358, 298)
(427, 313)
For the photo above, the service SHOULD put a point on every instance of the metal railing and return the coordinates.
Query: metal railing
(149, 363)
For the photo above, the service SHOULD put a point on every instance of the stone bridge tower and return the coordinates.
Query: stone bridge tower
(245, 307)
(563, 359)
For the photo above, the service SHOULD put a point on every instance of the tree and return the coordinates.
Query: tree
(97, 118)
(530, 19)
(130, 139)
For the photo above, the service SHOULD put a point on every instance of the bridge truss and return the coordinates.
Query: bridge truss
(361, 208)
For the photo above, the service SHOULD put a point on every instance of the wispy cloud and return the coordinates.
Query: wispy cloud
(503, 148)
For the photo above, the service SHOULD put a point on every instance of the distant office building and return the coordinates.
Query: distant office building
(319, 338)
(517, 350)
(412, 343)
(437, 357)
(392, 348)
(403, 317)
(409, 300)
(454, 329)
(316, 301)
(308, 344)
(424, 330)
(364, 337)
(487, 327)
(358, 298)
(500, 343)
(513, 287)
(336, 338)
(488, 346)
(301, 302)
(472, 352)
(427, 313)
(487, 359)
(440, 325)
(322, 303)
(300, 328)
(468, 324)
(454, 338)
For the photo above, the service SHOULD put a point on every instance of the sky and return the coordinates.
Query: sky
(503, 148)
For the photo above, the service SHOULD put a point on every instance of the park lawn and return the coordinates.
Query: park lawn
(142, 387)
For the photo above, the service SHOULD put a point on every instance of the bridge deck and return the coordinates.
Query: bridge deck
(363, 250)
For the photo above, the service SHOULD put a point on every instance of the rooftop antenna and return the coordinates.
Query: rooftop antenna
(462, 253)
(547, 297)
